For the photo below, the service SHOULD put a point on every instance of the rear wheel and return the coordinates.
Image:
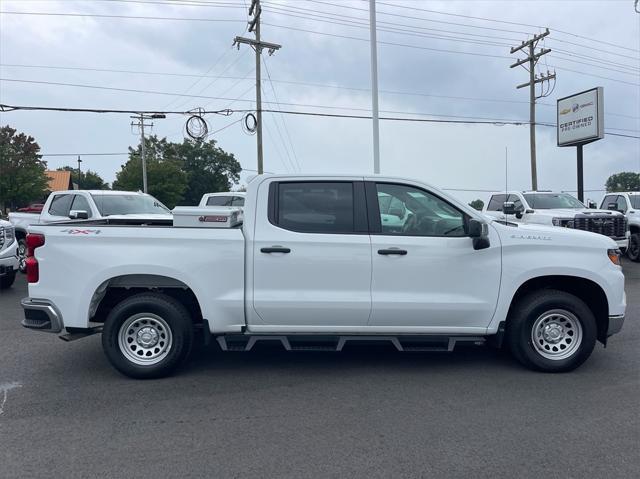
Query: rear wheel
(551, 331)
(633, 251)
(147, 335)
(7, 280)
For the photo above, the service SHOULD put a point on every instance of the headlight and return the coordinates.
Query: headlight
(10, 235)
(565, 222)
(614, 256)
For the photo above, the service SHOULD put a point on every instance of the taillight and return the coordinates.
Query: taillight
(33, 241)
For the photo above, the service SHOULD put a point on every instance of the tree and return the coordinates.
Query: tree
(179, 172)
(624, 181)
(22, 171)
(88, 180)
(477, 204)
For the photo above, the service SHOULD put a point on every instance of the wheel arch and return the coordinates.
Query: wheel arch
(587, 290)
(114, 290)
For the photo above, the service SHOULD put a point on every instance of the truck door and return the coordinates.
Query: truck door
(427, 274)
(311, 255)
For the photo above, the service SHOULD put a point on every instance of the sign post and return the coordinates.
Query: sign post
(580, 120)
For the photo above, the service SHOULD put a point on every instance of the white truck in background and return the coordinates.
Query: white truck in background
(557, 209)
(87, 204)
(315, 266)
(8, 254)
(627, 203)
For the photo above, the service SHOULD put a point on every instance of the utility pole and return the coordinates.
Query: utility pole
(374, 86)
(258, 45)
(79, 173)
(141, 117)
(532, 58)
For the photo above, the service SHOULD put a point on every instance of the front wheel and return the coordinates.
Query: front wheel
(7, 280)
(22, 255)
(551, 331)
(147, 335)
(633, 251)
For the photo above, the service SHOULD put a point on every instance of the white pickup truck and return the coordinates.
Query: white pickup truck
(627, 203)
(557, 209)
(314, 266)
(8, 254)
(87, 204)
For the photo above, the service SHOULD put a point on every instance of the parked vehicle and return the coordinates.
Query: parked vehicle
(315, 266)
(227, 198)
(8, 255)
(557, 209)
(32, 208)
(87, 204)
(627, 203)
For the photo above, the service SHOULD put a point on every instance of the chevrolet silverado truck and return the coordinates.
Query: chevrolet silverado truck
(8, 254)
(627, 203)
(557, 209)
(86, 204)
(313, 266)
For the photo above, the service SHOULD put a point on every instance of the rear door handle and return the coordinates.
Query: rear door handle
(397, 251)
(275, 249)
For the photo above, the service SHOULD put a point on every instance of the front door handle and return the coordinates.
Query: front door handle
(397, 251)
(275, 249)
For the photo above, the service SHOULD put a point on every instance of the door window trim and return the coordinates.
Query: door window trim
(373, 209)
(360, 223)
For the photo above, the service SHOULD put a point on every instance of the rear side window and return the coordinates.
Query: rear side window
(315, 207)
(238, 201)
(496, 203)
(60, 205)
(219, 201)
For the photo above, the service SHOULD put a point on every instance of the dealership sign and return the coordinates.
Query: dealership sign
(580, 118)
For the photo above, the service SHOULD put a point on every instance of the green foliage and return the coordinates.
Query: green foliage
(624, 181)
(22, 171)
(477, 204)
(179, 173)
(89, 180)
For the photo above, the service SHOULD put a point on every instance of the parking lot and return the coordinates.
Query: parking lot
(65, 412)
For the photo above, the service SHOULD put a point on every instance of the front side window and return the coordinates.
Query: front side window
(517, 203)
(405, 210)
(548, 201)
(60, 205)
(80, 203)
(219, 201)
(128, 205)
(315, 207)
(608, 199)
(496, 203)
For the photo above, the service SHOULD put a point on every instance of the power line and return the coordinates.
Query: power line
(126, 17)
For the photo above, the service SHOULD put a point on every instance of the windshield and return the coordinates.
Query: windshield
(635, 201)
(547, 201)
(128, 205)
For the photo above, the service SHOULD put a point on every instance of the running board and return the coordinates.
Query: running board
(412, 343)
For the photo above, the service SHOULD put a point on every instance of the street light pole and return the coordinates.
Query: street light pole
(374, 86)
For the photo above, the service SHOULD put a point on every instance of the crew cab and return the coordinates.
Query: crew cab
(226, 198)
(627, 203)
(557, 209)
(8, 254)
(87, 204)
(314, 265)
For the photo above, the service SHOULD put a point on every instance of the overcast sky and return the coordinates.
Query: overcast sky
(435, 61)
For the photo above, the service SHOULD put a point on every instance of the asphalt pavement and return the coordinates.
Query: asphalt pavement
(365, 412)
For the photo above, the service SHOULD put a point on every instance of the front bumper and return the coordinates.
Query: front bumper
(42, 315)
(615, 324)
(623, 244)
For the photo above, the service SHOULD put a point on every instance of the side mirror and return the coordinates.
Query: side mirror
(479, 231)
(612, 206)
(78, 215)
(592, 205)
(509, 208)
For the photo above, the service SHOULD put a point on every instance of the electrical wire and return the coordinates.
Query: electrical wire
(126, 17)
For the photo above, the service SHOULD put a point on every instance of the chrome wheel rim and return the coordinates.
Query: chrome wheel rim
(22, 256)
(556, 334)
(145, 339)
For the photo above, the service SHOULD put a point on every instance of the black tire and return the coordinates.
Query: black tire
(633, 251)
(7, 280)
(22, 254)
(164, 315)
(568, 315)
